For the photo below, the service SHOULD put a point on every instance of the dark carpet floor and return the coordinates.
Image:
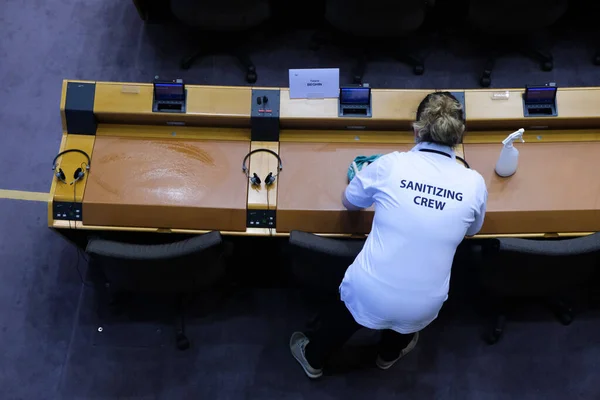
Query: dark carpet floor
(50, 344)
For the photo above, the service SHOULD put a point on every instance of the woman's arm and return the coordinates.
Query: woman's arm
(349, 206)
(359, 192)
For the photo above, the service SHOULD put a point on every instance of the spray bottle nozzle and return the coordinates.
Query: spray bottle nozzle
(514, 136)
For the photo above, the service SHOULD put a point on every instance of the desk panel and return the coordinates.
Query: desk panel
(117, 102)
(577, 108)
(555, 189)
(167, 183)
(392, 109)
(313, 181)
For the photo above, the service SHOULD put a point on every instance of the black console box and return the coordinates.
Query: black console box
(67, 211)
(264, 115)
(260, 219)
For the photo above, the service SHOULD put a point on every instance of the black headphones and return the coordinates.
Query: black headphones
(254, 179)
(79, 172)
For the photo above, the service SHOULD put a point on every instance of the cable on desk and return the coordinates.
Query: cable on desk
(80, 254)
(268, 209)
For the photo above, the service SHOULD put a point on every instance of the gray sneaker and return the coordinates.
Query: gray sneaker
(382, 364)
(298, 343)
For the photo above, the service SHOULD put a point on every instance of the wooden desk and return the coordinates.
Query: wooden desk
(148, 175)
(310, 190)
(211, 106)
(166, 183)
(577, 109)
(555, 189)
(392, 110)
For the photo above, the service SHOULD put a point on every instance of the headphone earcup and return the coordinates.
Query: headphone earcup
(60, 175)
(78, 174)
(255, 180)
(269, 179)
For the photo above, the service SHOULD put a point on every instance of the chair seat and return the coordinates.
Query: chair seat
(376, 18)
(223, 15)
(515, 16)
(185, 266)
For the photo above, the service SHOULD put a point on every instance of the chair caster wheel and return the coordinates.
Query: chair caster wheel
(419, 69)
(485, 81)
(251, 77)
(494, 336)
(547, 66)
(565, 318)
(186, 63)
(562, 312)
(182, 342)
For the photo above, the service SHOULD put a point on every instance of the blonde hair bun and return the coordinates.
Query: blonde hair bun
(440, 120)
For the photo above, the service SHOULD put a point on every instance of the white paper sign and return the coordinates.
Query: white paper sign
(318, 83)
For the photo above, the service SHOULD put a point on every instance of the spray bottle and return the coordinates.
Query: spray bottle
(509, 156)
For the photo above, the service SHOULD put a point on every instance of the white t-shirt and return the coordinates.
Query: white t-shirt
(425, 204)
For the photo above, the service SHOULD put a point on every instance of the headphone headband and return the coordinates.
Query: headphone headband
(89, 160)
(245, 169)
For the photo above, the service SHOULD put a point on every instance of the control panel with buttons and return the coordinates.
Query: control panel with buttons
(264, 116)
(63, 210)
(261, 219)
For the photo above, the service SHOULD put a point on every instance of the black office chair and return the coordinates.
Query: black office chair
(223, 25)
(372, 27)
(182, 268)
(515, 25)
(525, 269)
(318, 264)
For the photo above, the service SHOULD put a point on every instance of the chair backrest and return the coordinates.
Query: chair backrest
(319, 263)
(516, 16)
(222, 15)
(376, 18)
(184, 266)
(538, 266)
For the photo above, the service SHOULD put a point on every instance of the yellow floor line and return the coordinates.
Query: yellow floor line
(22, 195)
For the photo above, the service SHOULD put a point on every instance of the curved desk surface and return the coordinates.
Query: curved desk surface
(159, 172)
(164, 183)
(555, 189)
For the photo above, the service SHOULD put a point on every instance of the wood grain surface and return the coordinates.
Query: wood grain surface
(555, 189)
(186, 184)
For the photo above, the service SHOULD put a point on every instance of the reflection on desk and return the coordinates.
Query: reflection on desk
(186, 184)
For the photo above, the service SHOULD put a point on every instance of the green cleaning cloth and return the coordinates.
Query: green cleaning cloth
(361, 162)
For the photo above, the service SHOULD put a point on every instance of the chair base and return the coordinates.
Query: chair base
(597, 58)
(117, 301)
(181, 341)
(542, 56)
(366, 53)
(243, 59)
(360, 67)
(561, 310)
